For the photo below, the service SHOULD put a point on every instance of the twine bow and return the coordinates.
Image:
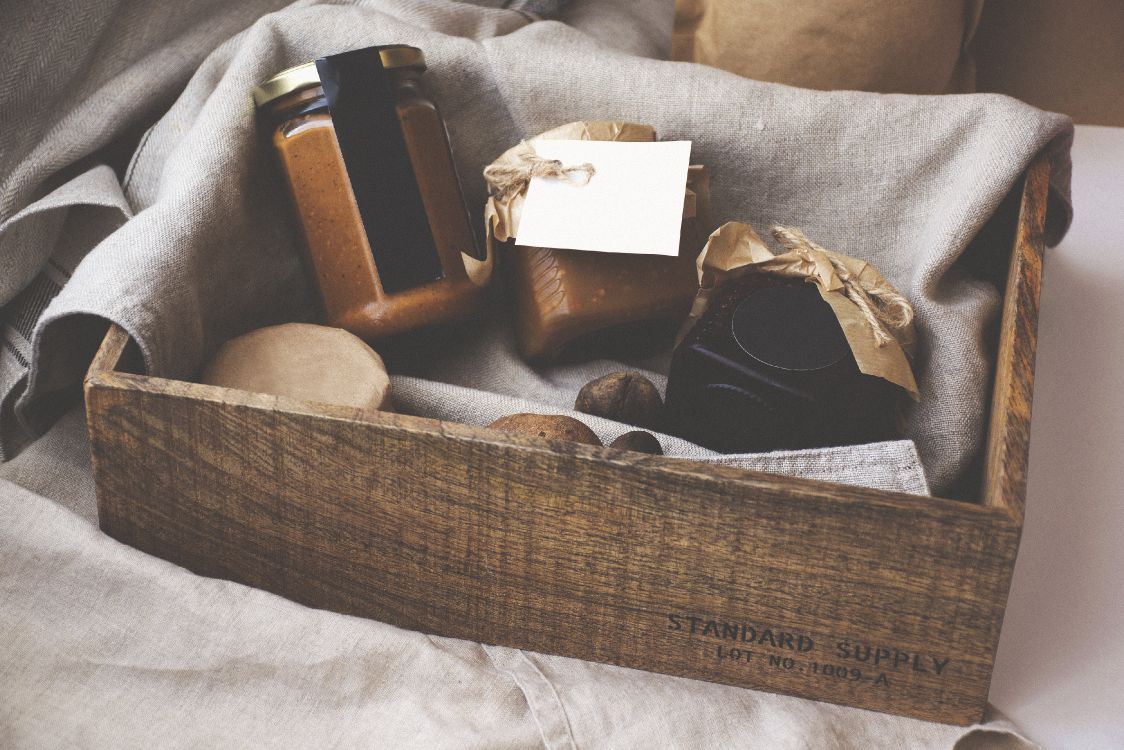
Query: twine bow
(507, 180)
(881, 306)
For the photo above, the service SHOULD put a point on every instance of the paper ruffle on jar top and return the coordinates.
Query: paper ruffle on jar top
(805, 349)
(571, 302)
(876, 319)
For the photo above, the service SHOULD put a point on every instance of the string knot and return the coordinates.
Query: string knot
(506, 180)
(881, 306)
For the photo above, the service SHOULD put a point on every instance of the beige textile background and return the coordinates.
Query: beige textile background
(906, 46)
(1059, 55)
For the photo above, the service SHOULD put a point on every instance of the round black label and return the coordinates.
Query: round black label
(789, 327)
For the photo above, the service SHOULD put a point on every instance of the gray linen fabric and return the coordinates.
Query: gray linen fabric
(191, 245)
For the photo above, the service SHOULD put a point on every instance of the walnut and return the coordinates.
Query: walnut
(551, 426)
(640, 441)
(626, 397)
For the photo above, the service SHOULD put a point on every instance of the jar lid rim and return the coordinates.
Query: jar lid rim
(305, 75)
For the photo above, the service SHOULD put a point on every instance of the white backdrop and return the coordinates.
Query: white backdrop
(1059, 673)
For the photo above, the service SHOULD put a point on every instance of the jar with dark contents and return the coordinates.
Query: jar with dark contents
(371, 173)
(768, 367)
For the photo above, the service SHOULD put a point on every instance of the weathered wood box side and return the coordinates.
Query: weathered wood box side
(867, 598)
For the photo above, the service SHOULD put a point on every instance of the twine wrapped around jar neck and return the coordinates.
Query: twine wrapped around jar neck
(876, 319)
(506, 180)
(881, 306)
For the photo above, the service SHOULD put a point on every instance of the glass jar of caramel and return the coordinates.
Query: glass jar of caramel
(573, 304)
(371, 173)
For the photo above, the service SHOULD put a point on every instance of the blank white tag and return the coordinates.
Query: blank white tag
(633, 204)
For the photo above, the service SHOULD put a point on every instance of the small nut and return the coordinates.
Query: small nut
(626, 397)
(639, 441)
(551, 426)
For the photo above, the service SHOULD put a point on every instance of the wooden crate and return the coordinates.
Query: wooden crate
(862, 597)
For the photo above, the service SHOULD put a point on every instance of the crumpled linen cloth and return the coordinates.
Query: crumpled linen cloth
(190, 244)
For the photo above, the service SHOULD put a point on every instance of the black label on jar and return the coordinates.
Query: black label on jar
(361, 101)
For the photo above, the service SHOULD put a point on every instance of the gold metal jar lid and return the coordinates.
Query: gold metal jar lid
(302, 76)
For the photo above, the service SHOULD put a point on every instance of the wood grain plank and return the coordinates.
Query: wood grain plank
(1008, 445)
(561, 548)
(109, 353)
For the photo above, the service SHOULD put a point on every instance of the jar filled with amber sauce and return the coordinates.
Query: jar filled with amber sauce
(389, 240)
